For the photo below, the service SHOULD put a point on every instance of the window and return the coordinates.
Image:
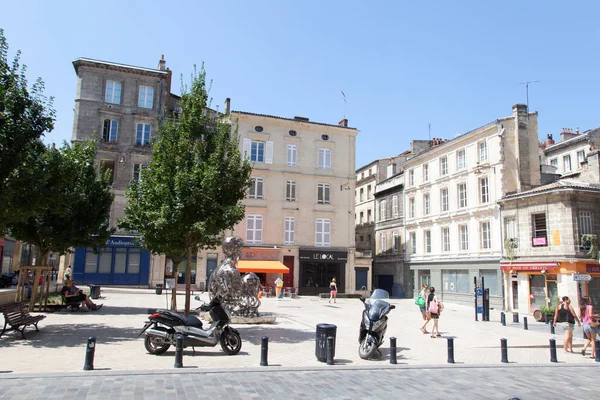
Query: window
(383, 243)
(142, 135)
(362, 175)
(443, 166)
(413, 243)
(585, 222)
(486, 238)
(382, 209)
(137, 171)
(484, 191)
(411, 207)
(425, 172)
(483, 153)
(369, 220)
(395, 242)
(289, 231)
(370, 172)
(461, 161)
(324, 159)
(254, 225)
(567, 163)
(427, 238)
(146, 97)
(323, 191)
(292, 152)
(362, 194)
(444, 199)
(462, 195)
(110, 130)
(445, 239)
(539, 230)
(369, 194)
(464, 237)
(362, 214)
(113, 92)
(290, 191)
(554, 162)
(456, 281)
(256, 188)
(258, 151)
(323, 233)
(395, 206)
(411, 177)
(510, 228)
(580, 157)
(491, 280)
(426, 204)
(108, 166)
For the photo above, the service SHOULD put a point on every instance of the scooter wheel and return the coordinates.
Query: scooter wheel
(366, 349)
(156, 344)
(231, 342)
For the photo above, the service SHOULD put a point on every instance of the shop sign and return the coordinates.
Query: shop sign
(592, 268)
(260, 254)
(323, 256)
(121, 242)
(539, 241)
(582, 277)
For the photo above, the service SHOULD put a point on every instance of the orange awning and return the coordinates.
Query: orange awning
(269, 267)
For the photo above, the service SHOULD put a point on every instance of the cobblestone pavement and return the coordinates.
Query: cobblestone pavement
(402, 382)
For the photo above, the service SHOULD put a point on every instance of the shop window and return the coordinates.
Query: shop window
(539, 236)
(91, 262)
(133, 261)
(542, 287)
(320, 274)
(490, 279)
(120, 261)
(424, 278)
(456, 281)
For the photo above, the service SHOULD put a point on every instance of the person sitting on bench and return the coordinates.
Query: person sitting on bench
(73, 295)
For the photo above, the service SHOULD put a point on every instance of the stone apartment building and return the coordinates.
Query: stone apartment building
(452, 220)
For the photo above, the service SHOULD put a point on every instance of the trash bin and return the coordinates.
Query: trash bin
(94, 291)
(323, 331)
(159, 288)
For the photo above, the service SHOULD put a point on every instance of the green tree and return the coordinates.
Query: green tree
(191, 191)
(71, 203)
(24, 117)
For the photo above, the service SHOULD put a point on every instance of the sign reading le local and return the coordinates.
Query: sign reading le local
(323, 255)
(582, 277)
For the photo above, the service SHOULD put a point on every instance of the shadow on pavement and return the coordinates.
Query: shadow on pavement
(109, 310)
(276, 335)
(200, 352)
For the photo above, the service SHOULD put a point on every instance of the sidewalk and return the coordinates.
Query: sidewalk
(60, 344)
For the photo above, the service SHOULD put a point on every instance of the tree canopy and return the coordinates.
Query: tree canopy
(191, 191)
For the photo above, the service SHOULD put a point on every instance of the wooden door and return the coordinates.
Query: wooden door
(288, 279)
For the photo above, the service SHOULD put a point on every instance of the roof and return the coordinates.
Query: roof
(291, 119)
(116, 65)
(561, 185)
(567, 142)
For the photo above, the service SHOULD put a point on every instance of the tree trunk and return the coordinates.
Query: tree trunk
(188, 278)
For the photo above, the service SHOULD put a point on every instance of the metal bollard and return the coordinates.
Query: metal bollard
(597, 350)
(552, 331)
(329, 350)
(516, 318)
(525, 326)
(546, 318)
(393, 358)
(179, 352)
(450, 350)
(504, 349)
(89, 354)
(503, 318)
(264, 351)
(553, 351)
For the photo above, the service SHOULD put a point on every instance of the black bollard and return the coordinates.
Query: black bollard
(552, 329)
(89, 354)
(553, 351)
(525, 326)
(329, 350)
(546, 318)
(450, 350)
(516, 318)
(264, 351)
(597, 350)
(503, 318)
(504, 349)
(393, 358)
(179, 352)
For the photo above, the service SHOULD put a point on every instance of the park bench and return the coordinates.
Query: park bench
(16, 315)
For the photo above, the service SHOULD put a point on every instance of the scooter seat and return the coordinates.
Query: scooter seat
(193, 321)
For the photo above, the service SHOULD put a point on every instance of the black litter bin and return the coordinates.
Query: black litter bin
(159, 288)
(94, 291)
(324, 331)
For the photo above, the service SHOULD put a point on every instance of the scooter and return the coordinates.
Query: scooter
(373, 323)
(163, 327)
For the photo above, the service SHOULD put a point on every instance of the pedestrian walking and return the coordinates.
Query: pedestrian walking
(590, 325)
(333, 290)
(421, 303)
(566, 316)
(434, 308)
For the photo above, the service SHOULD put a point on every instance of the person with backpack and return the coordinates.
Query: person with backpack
(433, 307)
(420, 302)
(566, 316)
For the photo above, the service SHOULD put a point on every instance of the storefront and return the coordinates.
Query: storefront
(319, 267)
(265, 264)
(121, 262)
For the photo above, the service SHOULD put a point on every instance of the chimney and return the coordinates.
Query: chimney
(162, 64)
(525, 142)
(343, 123)
(549, 141)
(577, 130)
(301, 119)
(227, 106)
(567, 133)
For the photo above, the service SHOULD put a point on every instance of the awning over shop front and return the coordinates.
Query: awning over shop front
(528, 266)
(269, 267)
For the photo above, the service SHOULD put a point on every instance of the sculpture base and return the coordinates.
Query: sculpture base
(261, 318)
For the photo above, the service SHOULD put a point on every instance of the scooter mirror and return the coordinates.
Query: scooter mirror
(362, 299)
(197, 298)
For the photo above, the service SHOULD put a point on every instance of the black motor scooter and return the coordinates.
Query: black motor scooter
(373, 323)
(167, 325)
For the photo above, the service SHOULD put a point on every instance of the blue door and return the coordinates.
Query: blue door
(386, 282)
(361, 278)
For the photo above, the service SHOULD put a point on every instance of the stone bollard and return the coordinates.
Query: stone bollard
(393, 358)
(504, 350)
(553, 351)
(264, 351)
(89, 354)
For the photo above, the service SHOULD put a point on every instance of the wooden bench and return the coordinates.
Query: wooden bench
(16, 315)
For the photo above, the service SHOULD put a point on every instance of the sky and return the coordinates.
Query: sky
(402, 65)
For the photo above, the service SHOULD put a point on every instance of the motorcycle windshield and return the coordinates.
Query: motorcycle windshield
(379, 294)
(378, 309)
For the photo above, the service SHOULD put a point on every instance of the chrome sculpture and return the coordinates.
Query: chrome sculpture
(239, 296)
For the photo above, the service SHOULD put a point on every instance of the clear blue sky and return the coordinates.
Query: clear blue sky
(401, 64)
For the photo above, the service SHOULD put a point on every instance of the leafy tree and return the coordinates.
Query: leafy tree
(24, 117)
(71, 203)
(191, 191)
